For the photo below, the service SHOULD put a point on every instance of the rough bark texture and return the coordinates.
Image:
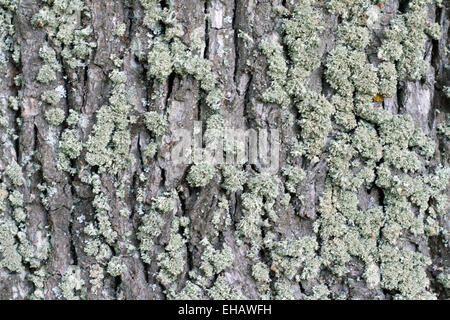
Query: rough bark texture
(183, 260)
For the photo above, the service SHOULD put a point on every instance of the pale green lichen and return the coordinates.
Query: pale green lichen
(73, 119)
(38, 279)
(14, 172)
(149, 151)
(149, 229)
(344, 229)
(47, 73)
(70, 144)
(294, 175)
(156, 123)
(8, 42)
(404, 270)
(96, 275)
(444, 279)
(116, 266)
(349, 8)
(372, 276)
(366, 141)
(171, 262)
(261, 272)
(11, 259)
(319, 292)
(52, 97)
(72, 285)
(405, 39)
(109, 143)
(159, 62)
(62, 24)
(388, 79)
(234, 178)
(292, 257)
(13, 103)
(191, 291)
(215, 261)
(444, 128)
(223, 291)
(446, 91)
(55, 116)
(200, 174)
(119, 29)
(151, 225)
(277, 73)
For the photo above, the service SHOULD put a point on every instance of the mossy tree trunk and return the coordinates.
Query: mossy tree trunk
(91, 183)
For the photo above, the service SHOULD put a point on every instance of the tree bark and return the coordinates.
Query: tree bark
(51, 243)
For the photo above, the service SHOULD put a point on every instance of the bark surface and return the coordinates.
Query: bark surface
(184, 257)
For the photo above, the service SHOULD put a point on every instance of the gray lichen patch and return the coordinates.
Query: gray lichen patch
(72, 285)
(108, 146)
(200, 174)
(55, 116)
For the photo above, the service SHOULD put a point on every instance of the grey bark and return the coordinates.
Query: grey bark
(243, 76)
